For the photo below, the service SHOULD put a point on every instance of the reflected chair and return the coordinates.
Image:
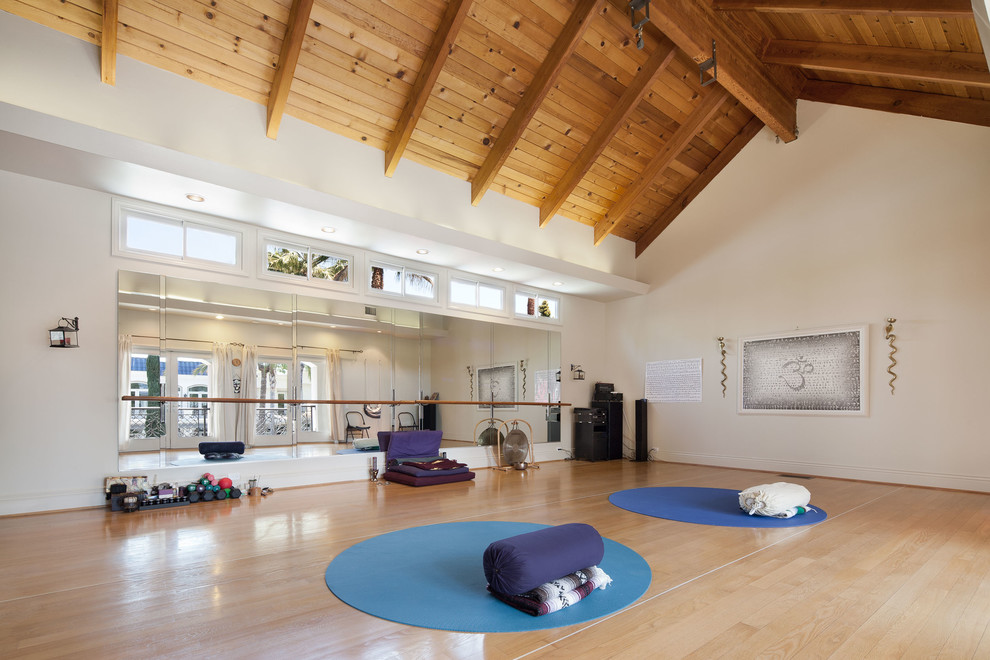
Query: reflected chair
(356, 427)
(407, 422)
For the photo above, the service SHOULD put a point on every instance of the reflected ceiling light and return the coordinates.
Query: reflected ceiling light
(328, 230)
(422, 251)
(497, 269)
(193, 197)
(558, 283)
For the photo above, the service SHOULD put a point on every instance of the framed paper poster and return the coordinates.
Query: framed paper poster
(820, 372)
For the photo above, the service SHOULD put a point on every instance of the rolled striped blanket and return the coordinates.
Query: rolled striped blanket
(557, 594)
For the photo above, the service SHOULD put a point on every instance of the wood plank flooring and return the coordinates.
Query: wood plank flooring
(895, 572)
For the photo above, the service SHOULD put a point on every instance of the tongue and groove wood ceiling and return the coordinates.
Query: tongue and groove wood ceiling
(551, 102)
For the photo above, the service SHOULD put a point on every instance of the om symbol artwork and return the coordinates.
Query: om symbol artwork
(795, 372)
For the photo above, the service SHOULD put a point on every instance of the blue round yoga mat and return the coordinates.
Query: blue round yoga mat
(433, 577)
(703, 506)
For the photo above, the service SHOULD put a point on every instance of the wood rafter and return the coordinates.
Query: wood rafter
(288, 58)
(957, 8)
(771, 96)
(671, 148)
(936, 106)
(108, 43)
(915, 64)
(631, 97)
(547, 74)
(732, 149)
(436, 57)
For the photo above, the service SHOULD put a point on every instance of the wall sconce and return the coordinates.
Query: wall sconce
(577, 373)
(66, 334)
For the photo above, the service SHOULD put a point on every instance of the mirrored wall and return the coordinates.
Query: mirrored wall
(193, 340)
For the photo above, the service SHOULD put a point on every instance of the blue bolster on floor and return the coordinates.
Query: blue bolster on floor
(520, 563)
(221, 448)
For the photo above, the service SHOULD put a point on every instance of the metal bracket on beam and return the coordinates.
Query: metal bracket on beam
(635, 6)
(709, 65)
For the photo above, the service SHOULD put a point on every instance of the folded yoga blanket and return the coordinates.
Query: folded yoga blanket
(557, 594)
(521, 563)
(779, 500)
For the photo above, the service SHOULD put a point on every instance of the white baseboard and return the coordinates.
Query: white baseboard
(857, 472)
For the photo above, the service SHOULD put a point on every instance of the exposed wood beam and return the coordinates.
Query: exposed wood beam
(955, 8)
(651, 70)
(694, 189)
(561, 50)
(935, 106)
(436, 57)
(671, 148)
(288, 58)
(912, 63)
(108, 43)
(771, 96)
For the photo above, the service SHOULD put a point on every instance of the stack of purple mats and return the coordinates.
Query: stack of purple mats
(547, 570)
(412, 458)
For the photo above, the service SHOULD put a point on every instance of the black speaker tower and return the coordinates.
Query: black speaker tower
(642, 450)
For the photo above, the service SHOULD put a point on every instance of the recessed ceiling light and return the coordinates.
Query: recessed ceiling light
(193, 197)
(558, 284)
(219, 317)
(422, 251)
(497, 269)
(327, 230)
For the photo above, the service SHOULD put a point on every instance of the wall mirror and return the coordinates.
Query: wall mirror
(196, 341)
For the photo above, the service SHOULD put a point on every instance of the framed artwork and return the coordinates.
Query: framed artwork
(819, 372)
(496, 384)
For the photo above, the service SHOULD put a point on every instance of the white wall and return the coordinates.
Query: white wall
(58, 434)
(867, 215)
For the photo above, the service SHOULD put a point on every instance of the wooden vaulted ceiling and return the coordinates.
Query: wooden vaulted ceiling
(550, 101)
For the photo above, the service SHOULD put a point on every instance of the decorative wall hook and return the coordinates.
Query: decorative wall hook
(721, 348)
(888, 334)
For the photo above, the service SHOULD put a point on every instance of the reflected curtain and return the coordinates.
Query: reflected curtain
(124, 344)
(235, 377)
(332, 386)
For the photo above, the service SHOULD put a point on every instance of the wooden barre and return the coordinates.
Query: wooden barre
(355, 402)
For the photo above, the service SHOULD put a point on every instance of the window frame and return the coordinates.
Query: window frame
(477, 284)
(123, 209)
(405, 271)
(524, 292)
(266, 239)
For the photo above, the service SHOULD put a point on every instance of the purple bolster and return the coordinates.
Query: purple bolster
(520, 563)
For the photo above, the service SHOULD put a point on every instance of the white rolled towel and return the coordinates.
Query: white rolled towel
(774, 500)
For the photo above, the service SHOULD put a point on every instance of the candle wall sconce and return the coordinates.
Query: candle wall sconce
(65, 334)
(888, 334)
(577, 373)
(721, 348)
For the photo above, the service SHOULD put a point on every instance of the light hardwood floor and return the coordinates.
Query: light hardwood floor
(895, 572)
